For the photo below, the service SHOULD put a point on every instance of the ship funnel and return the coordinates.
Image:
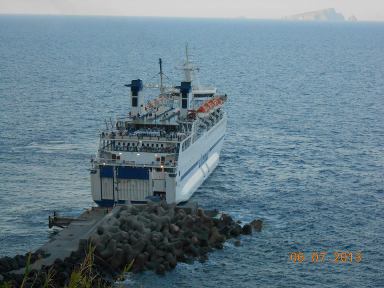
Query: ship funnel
(185, 99)
(136, 100)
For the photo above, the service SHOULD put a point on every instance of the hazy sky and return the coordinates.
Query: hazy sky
(270, 9)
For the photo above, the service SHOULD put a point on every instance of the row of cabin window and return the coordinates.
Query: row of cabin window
(133, 145)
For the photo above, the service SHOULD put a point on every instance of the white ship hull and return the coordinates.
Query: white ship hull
(199, 161)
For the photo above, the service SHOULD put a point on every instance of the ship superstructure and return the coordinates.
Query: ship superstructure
(164, 148)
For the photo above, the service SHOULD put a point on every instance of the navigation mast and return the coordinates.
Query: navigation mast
(188, 66)
(161, 76)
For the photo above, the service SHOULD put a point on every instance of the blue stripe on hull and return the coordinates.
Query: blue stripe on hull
(197, 163)
(107, 202)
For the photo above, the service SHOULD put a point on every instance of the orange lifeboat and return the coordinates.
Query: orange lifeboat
(210, 104)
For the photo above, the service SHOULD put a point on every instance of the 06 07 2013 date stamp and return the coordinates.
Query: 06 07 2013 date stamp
(322, 257)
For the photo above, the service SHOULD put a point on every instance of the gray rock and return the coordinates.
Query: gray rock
(20, 259)
(165, 205)
(236, 230)
(226, 219)
(165, 232)
(137, 225)
(151, 265)
(127, 249)
(156, 237)
(124, 208)
(194, 239)
(192, 249)
(151, 249)
(160, 253)
(100, 230)
(171, 259)
(178, 252)
(171, 212)
(174, 228)
(109, 250)
(104, 239)
(118, 258)
(247, 229)
(160, 269)
(119, 245)
(113, 229)
(180, 214)
(140, 262)
(219, 245)
(124, 235)
(143, 218)
(160, 211)
(167, 266)
(99, 248)
(134, 210)
(118, 236)
(113, 222)
(257, 225)
(203, 258)
(215, 237)
(132, 240)
(138, 247)
(203, 234)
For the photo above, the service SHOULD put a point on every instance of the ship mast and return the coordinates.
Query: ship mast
(186, 53)
(188, 67)
(161, 76)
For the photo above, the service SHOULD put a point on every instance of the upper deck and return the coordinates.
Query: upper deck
(163, 126)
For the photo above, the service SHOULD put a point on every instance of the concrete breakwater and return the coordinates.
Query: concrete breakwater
(151, 237)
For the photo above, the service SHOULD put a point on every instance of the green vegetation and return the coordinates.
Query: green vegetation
(83, 276)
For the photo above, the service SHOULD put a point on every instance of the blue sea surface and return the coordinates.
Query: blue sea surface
(304, 149)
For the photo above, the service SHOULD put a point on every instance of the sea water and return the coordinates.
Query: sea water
(304, 149)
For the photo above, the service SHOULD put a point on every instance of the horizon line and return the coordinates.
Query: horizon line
(181, 17)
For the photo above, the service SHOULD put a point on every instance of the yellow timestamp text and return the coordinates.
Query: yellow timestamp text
(323, 256)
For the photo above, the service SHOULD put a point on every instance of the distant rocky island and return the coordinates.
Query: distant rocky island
(329, 14)
(352, 18)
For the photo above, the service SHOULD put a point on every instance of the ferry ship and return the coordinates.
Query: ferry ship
(165, 147)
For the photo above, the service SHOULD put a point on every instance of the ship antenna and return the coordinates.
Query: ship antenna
(161, 76)
(186, 52)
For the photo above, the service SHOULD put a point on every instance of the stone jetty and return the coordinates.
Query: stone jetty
(155, 236)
